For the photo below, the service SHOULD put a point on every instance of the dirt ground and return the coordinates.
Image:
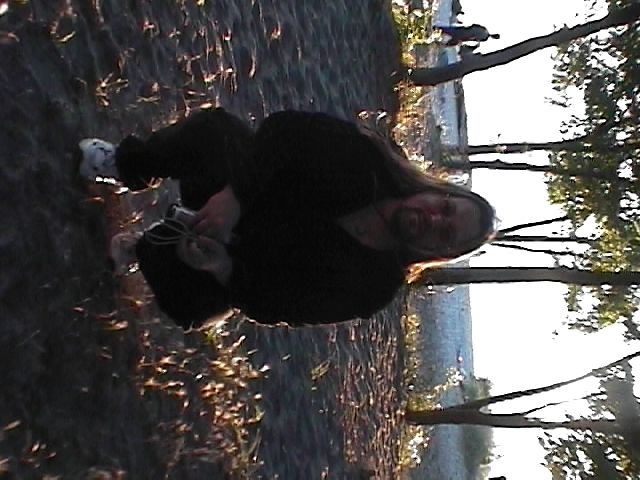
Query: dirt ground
(96, 384)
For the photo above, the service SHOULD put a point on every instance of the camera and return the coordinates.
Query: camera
(179, 213)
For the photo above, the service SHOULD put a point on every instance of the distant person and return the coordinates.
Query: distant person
(456, 8)
(459, 34)
(309, 220)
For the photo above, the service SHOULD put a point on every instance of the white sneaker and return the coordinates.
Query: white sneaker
(123, 253)
(98, 160)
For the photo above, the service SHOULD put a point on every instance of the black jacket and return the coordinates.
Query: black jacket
(292, 262)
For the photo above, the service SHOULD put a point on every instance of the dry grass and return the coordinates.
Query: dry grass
(197, 388)
(414, 438)
(223, 374)
(222, 377)
(107, 391)
(409, 129)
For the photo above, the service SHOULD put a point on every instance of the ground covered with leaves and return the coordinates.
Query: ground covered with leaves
(96, 383)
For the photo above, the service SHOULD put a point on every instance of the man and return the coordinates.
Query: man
(456, 8)
(309, 220)
(459, 34)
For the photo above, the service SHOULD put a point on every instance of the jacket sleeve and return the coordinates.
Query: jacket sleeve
(342, 287)
(338, 301)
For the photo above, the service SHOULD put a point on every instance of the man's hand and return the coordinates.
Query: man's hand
(206, 254)
(218, 217)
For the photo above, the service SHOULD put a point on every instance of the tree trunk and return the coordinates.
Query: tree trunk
(521, 166)
(541, 238)
(575, 145)
(539, 223)
(580, 144)
(552, 253)
(457, 276)
(470, 414)
(484, 402)
(436, 75)
(459, 416)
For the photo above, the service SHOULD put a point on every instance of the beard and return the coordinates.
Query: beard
(408, 224)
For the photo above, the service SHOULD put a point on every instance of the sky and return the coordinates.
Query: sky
(518, 334)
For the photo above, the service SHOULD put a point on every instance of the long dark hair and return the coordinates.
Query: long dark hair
(409, 179)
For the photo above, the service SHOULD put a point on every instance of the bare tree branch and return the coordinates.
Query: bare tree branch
(533, 250)
(483, 402)
(436, 75)
(532, 224)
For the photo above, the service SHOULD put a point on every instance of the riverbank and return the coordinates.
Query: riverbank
(446, 330)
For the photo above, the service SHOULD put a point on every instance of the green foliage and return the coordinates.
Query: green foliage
(586, 454)
(582, 455)
(605, 70)
(477, 441)
(476, 388)
(414, 438)
(411, 25)
(477, 445)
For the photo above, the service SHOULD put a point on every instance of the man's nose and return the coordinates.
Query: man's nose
(443, 226)
(437, 220)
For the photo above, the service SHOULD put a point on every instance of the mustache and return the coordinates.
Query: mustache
(401, 223)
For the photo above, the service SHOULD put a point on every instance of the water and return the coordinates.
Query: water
(446, 336)
(445, 343)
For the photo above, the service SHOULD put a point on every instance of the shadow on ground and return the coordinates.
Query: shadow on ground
(76, 346)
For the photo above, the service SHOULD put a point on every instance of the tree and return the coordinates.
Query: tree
(586, 454)
(461, 416)
(626, 421)
(589, 454)
(574, 145)
(587, 171)
(539, 223)
(623, 427)
(608, 441)
(501, 237)
(436, 75)
(591, 142)
(579, 143)
(604, 69)
(465, 275)
(505, 238)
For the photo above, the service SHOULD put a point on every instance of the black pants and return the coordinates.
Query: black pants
(198, 151)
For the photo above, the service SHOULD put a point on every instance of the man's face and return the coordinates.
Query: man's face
(436, 222)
